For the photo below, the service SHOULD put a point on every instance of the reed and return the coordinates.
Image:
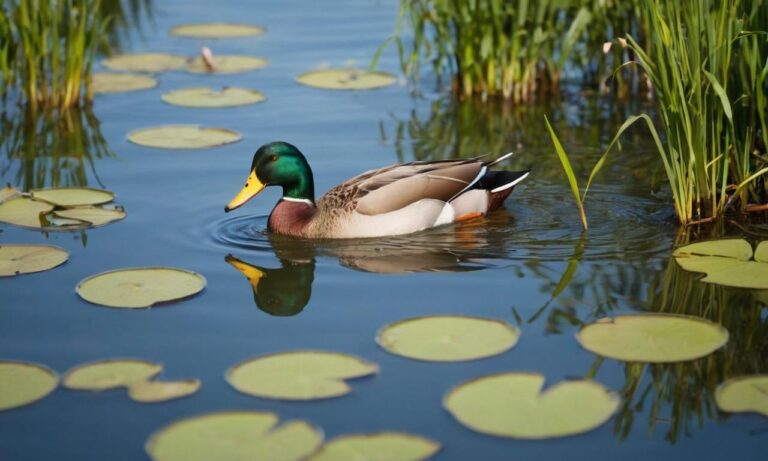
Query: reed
(47, 48)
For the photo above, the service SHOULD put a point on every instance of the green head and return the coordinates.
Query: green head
(277, 164)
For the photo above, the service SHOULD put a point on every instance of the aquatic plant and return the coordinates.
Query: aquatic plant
(47, 49)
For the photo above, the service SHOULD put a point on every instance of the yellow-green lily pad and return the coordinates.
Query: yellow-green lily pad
(145, 62)
(299, 375)
(514, 405)
(448, 338)
(727, 262)
(110, 374)
(346, 79)
(183, 137)
(216, 30)
(109, 82)
(654, 338)
(140, 287)
(381, 446)
(744, 394)
(226, 64)
(235, 435)
(24, 212)
(22, 383)
(160, 391)
(26, 259)
(88, 216)
(72, 196)
(205, 97)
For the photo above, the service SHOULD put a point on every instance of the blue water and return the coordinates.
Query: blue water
(505, 267)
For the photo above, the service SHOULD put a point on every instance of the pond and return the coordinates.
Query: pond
(528, 264)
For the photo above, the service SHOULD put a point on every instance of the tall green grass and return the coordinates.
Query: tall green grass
(47, 48)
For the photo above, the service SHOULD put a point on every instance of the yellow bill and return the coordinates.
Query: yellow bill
(252, 187)
(252, 273)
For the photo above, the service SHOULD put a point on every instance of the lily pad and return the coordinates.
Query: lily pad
(160, 391)
(236, 435)
(108, 82)
(183, 137)
(382, 446)
(24, 212)
(299, 375)
(140, 287)
(448, 338)
(727, 262)
(744, 394)
(89, 216)
(26, 259)
(346, 79)
(655, 338)
(216, 30)
(209, 98)
(110, 374)
(22, 383)
(514, 405)
(226, 64)
(145, 62)
(72, 196)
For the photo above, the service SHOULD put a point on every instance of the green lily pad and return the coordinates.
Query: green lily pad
(744, 394)
(216, 30)
(160, 391)
(209, 98)
(299, 375)
(24, 212)
(108, 82)
(346, 79)
(87, 216)
(655, 338)
(382, 446)
(183, 137)
(448, 338)
(22, 383)
(26, 259)
(513, 405)
(727, 262)
(72, 196)
(235, 435)
(140, 287)
(226, 64)
(109, 374)
(145, 62)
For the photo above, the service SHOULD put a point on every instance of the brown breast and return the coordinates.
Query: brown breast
(291, 218)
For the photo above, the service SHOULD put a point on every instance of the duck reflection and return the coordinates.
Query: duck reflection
(286, 290)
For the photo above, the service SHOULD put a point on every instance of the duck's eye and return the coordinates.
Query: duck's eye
(273, 158)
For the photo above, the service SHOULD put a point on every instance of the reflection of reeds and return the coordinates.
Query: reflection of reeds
(53, 149)
(125, 16)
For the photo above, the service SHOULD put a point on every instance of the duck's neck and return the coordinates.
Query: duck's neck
(291, 216)
(302, 188)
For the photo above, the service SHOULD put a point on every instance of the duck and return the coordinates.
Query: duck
(394, 200)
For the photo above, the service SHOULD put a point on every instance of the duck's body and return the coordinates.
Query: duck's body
(394, 200)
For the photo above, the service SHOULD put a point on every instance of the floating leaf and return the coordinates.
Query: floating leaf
(448, 338)
(140, 287)
(22, 383)
(207, 97)
(108, 82)
(183, 137)
(744, 394)
(656, 338)
(26, 259)
(346, 79)
(145, 62)
(299, 375)
(216, 30)
(89, 216)
(727, 262)
(72, 196)
(382, 446)
(236, 435)
(24, 212)
(513, 405)
(109, 374)
(226, 64)
(160, 391)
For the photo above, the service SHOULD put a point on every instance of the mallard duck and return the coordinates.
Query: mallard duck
(394, 200)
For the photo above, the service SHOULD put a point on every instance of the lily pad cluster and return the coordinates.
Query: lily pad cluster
(728, 262)
(59, 209)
